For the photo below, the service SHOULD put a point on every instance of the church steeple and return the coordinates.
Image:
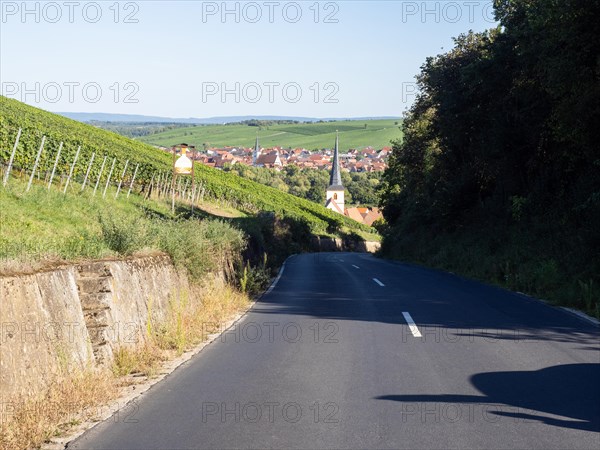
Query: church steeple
(336, 176)
(256, 152)
(335, 191)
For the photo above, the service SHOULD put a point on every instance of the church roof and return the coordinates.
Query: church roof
(271, 158)
(335, 181)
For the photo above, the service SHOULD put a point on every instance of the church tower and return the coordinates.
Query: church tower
(256, 152)
(335, 191)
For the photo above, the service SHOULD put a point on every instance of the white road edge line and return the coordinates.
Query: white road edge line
(276, 280)
(378, 282)
(411, 324)
(356, 267)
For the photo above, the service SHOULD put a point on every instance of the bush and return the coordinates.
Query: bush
(201, 246)
(121, 234)
(253, 279)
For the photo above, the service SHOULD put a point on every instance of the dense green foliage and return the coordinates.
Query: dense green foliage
(311, 184)
(312, 136)
(240, 193)
(498, 174)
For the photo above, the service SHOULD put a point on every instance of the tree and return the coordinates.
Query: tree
(510, 112)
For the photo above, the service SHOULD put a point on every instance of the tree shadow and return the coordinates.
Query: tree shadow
(570, 391)
(445, 307)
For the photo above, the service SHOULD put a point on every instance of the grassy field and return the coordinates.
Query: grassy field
(353, 134)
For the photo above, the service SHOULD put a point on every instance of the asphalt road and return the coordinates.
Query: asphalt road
(348, 351)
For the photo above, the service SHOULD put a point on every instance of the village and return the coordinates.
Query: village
(368, 159)
(365, 160)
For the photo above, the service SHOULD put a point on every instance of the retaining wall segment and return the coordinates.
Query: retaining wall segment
(77, 316)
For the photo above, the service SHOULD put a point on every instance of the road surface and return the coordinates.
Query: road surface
(349, 351)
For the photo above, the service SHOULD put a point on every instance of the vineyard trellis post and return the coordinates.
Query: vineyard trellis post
(173, 193)
(55, 164)
(12, 158)
(109, 176)
(178, 188)
(159, 184)
(99, 176)
(87, 172)
(72, 168)
(133, 179)
(183, 189)
(121, 180)
(150, 188)
(35, 164)
(166, 185)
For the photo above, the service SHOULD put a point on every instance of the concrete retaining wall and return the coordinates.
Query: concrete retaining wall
(77, 316)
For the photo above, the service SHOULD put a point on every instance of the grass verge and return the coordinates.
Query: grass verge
(44, 227)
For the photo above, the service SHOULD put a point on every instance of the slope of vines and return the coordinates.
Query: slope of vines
(241, 193)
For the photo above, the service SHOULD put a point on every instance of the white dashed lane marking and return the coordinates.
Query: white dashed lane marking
(411, 324)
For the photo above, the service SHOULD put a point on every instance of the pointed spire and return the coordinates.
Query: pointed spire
(256, 152)
(336, 175)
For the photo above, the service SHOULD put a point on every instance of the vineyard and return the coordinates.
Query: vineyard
(102, 159)
(353, 134)
(323, 128)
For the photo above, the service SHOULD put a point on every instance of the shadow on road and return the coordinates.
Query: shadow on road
(444, 306)
(570, 391)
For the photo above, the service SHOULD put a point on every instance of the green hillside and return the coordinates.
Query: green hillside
(243, 194)
(353, 134)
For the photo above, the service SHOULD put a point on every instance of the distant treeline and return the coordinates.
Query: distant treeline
(264, 123)
(137, 129)
(268, 123)
(498, 174)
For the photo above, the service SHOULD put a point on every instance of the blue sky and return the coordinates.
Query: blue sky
(187, 59)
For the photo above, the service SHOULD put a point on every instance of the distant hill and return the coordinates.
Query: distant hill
(109, 117)
(319, 135)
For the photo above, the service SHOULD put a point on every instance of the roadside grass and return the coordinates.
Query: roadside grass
(44, 227)
(191, 318)
(194, 316)
(30, 420)
(366, 236)
(73, 397)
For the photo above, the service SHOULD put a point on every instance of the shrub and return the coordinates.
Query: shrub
(121, 234)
